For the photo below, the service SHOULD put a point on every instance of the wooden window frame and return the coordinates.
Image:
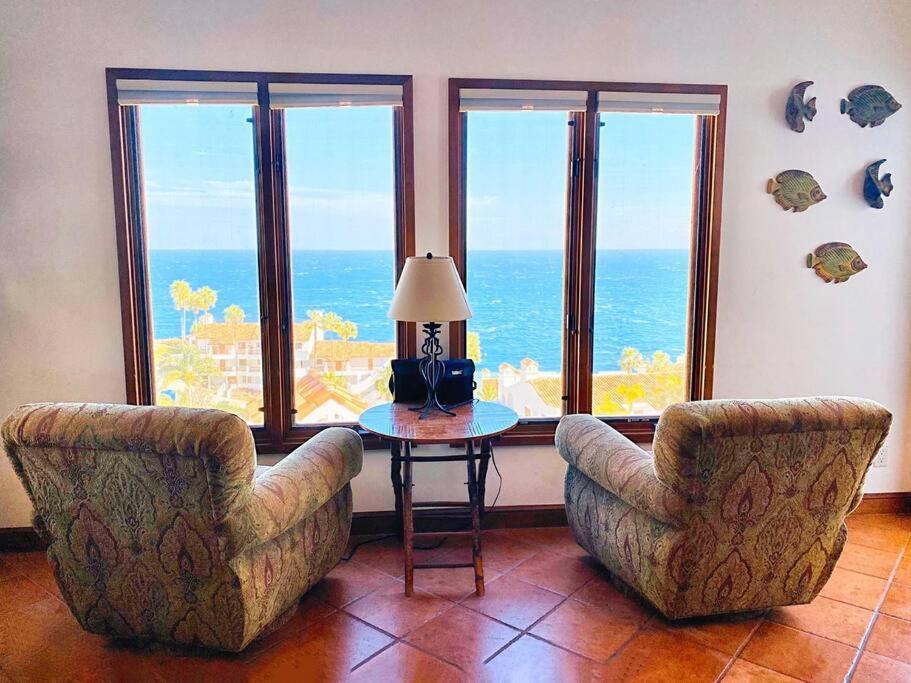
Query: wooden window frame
(579, 253)
(279, 433)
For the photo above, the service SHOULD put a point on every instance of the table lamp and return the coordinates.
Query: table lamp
(429, 289)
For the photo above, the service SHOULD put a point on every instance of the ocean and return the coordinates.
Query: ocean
(516, 297)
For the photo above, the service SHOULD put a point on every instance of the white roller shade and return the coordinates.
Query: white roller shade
(659, 103)
(185, 92)
(477, 99)
(286, 95)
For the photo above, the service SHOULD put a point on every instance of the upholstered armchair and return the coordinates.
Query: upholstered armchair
(741, 508)
(158, 528)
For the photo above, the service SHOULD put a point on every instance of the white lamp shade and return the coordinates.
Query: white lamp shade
(429, 290)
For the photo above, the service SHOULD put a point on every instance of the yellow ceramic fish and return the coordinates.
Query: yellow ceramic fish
(835, 262)
(795, 190)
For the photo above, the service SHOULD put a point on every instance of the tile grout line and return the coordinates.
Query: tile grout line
(741, 648)
(876, 613)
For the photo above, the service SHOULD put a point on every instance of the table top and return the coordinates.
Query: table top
(477, 420)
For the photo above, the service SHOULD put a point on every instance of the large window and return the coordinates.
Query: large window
(585, 220)
(262, 222)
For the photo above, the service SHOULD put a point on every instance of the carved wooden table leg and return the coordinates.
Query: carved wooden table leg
(397, 486)
(408, 523)
(486, 453)
(475, 519)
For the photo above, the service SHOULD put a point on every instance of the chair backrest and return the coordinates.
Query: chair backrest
(125, 492)
(742, 456)
(768, 485)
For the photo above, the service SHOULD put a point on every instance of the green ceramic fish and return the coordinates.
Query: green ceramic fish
(795, 190)
(835, 262)
(869, 105)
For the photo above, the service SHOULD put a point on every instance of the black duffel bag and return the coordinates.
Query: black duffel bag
(455, 388)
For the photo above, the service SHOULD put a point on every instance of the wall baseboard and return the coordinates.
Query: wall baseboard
(23, 539)
(874, 503)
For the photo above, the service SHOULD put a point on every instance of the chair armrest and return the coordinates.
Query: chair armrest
(618, 465)
(304, 481)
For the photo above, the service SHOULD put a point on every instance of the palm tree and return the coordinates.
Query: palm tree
(185, 369)
(234, 316)
(317, 318)
(181, 295)
(202, 300)
(474, 347)
(332, 322)
(631, 360)
(347, 330)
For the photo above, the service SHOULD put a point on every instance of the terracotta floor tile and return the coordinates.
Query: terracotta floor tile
(529, 660)
(502, 552)
(348, 582)
(18, 592)
(593, 632)
(462, 637)
(555, 572)
(827, 618)
(383, 555)
(854, 588)
(874, 668)
(646, 658)
(903, 573)
(898, 601)
(742, 671)
(876, 531)
(42, 642)
(891, 637)
(401, 662)
(859, 558)
(326, 650)
(724, 633)
(557, 539)
(389, 609)
(600, 592)
(513, 601)
(798, 654)
(452, 584)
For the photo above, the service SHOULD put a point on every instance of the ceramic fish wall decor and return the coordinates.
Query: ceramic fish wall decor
(835, 262)
(874, 186)
(795, 190)
(869, 105)
(796, 110)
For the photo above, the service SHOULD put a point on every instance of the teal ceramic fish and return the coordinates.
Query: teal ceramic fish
(869, 105)
(835, 262)
(795, 190)
(874, 186)
(796, 110)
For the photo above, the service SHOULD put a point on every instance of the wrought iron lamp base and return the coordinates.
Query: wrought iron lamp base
(432, 370)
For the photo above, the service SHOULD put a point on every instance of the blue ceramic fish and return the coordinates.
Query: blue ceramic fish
(869, 105)
(796, 110)
(874, 186)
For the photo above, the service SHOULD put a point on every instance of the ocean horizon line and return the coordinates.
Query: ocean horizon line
(380, 251)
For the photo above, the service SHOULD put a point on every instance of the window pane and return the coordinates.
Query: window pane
(200, 218)
(341, 189)
(642, 262)
(516, 226)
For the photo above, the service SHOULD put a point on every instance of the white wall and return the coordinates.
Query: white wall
(781, 332)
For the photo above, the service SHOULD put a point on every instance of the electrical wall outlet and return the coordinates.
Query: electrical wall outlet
(880, 459)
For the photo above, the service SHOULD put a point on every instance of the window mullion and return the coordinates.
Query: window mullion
(274, 320)
(581, 401)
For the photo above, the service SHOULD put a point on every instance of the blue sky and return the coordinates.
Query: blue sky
(199, 179)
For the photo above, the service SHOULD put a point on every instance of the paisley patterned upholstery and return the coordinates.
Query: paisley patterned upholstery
(741, 508)
(158, 527)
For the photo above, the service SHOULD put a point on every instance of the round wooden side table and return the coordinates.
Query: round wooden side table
(478, 421)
